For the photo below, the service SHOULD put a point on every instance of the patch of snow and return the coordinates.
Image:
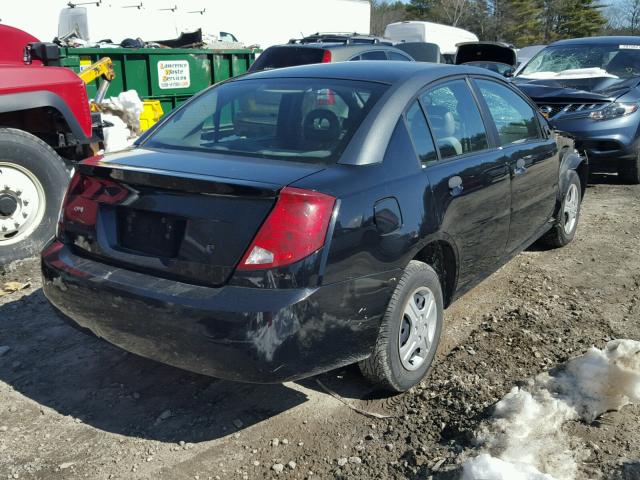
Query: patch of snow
(571, 74)
(486, 467)
(118, 136)
(128, 106)
(525, 435)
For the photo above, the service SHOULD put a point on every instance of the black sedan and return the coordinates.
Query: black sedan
(293, 221)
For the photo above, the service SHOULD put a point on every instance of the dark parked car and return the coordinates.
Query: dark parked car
(335, 226)
(590, 88)
(422, 51)
(327, 49)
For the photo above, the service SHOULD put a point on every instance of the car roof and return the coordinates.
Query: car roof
(343, 47)
(380, 71)
(612, 40)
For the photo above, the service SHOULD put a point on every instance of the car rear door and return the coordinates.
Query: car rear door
(533, 159)
(469, 178)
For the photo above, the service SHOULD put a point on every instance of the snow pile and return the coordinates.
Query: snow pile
(486, 467)
(123, 113)
(117, 135)
(127, 106)
(525, 437)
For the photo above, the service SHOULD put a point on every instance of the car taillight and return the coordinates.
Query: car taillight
(83, 197)
(295, 228)
(326, 56)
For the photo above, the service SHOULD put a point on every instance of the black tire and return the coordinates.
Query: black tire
(384, 367)
(21, 150)
(559, 236)
(629, 170)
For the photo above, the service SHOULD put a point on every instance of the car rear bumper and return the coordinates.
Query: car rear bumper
(237, 333)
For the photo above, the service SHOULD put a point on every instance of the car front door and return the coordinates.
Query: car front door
(469, 179)
(533, 159)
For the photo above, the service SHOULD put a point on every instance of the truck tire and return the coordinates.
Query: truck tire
(410, 331)
(629, 171)
(565, 226)
(33, 179)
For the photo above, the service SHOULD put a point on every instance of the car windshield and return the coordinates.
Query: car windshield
(580, 61)
(303, 119)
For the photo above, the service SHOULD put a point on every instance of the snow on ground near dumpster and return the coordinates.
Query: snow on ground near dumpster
(524, 439)
(128, 106)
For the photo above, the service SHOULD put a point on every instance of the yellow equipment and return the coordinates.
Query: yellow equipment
(151, 113)
(103, 68)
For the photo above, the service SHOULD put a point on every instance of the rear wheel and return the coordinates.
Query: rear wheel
(410, 331)
(629, 171)
(564, 229)
(33, 179)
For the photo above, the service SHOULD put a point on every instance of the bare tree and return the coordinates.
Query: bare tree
(454, 11)
(383, 13)
(632, 8)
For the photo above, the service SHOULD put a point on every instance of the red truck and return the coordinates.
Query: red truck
(45, 128)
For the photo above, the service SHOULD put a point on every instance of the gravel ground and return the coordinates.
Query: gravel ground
(75, 407)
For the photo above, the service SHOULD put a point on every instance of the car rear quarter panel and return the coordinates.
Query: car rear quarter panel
(357, 247)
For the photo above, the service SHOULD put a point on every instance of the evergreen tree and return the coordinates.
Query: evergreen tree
(522, 22)
(580, 18)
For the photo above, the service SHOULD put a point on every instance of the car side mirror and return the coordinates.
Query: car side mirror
(509, 73)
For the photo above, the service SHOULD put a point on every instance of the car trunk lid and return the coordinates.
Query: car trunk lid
(190, 217)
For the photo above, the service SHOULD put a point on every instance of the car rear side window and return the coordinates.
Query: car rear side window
(398, 57)
(515, 119)
(455, 119)
(375, 55)
(419, 131)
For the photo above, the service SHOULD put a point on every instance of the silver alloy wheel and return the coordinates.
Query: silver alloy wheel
(418, 328)
(22, 203)
(571, 205)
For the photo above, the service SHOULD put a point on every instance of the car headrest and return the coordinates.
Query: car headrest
(442, 121)
(321, 126)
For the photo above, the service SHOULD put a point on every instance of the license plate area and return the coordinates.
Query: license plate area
(150, 233)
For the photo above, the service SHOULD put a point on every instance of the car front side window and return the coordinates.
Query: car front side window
(455, 119)
(515, 119)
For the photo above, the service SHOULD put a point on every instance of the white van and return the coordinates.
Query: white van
(444, 36)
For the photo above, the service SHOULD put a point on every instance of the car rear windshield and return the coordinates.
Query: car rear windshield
(620, 61)
(299, 119)
(280, 57)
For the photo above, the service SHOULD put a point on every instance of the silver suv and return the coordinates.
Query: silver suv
(328, 48)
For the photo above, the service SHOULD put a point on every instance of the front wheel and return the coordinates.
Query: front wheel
(566, 223)
(33, 179)
(410, 331)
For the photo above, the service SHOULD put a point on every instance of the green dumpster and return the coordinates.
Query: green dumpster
(170, 75)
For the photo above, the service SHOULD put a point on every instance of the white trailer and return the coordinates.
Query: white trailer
(444, 36)
(253, 22)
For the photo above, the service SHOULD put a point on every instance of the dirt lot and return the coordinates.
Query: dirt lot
(75, 407)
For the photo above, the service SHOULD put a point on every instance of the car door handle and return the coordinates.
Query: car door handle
(455, 186)
(521, 169)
